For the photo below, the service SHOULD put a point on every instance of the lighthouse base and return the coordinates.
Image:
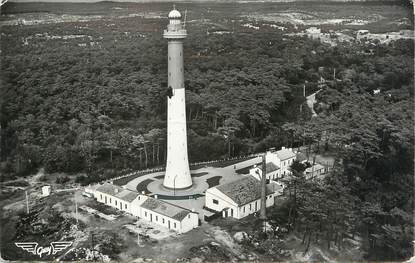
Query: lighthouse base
(196, 189)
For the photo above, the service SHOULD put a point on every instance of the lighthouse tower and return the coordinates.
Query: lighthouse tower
(177, 167)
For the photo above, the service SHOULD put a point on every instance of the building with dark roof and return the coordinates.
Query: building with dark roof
(240, 197)
(169, 215)
(118, 197)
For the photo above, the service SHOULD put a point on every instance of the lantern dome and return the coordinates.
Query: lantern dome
(174, 14)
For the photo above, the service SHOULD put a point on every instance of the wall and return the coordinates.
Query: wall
(270, 176)
(224, 201)
(269, 202)
(151, 216)
(189, 222)
(115, 202)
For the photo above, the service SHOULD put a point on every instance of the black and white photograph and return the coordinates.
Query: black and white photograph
(207, 131)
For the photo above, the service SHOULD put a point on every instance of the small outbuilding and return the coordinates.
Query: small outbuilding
(46, 190)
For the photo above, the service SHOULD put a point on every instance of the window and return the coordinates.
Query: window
(174, 225)
(244, 209)
(101, 196)
(169, 58)
(188, 216)
(110, 200)
(157, 218)
(125, 206)
(145, 214)
(115, 202)
(250, 207)
(215, 201)
(162, 220)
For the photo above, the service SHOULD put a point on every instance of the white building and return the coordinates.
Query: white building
(282, 158)
(120, 198)
(46, 190)
(273, 171)
(314, 171)
(239, 198)
(168, 215)
(156, 211)
(277, 164)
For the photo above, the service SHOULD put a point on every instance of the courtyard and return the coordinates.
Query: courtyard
(192, 198)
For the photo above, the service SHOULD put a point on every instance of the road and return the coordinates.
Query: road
(311, 99)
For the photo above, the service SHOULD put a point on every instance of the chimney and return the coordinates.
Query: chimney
(155, 196)
(283, 148)
(263, 215)
(143, 192)
(116, 190)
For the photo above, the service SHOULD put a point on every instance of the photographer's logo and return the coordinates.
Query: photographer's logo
(35, 249)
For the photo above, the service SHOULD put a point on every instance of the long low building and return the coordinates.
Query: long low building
(169, 215)
(239, 198)
(120, 198)
(148, 208)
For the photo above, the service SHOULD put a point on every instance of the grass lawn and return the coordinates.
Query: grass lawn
(213, 181)
(142, 186)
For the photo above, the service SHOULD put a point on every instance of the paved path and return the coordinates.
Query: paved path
(310, 102)
(228, 173)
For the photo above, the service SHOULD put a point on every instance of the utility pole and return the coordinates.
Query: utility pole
(304, 89)
(76, 209)
(92, 240)
(27, 203)
(185, 17)
(263, 214)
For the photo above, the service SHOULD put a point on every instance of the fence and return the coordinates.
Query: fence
(139, 173)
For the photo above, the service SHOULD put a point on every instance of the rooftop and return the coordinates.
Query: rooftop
(301, 157)
(271, 167)
(166, 209)
(244, 190)
(285, 154)
(118, 191)
(110, 189)
(315, 167)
